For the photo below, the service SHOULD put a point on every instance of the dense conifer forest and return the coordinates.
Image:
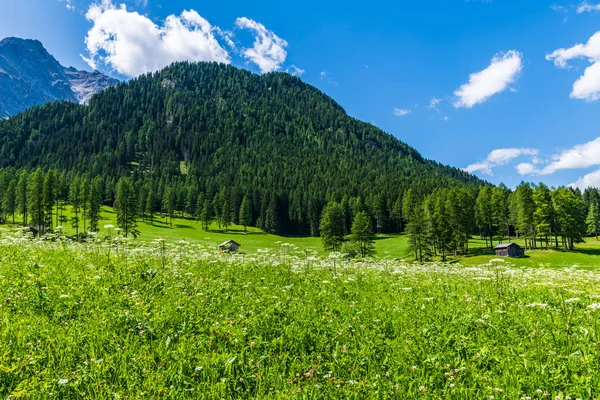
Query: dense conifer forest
(220, 133)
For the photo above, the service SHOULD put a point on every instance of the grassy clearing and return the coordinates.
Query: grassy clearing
(586, 255)
(99, 320)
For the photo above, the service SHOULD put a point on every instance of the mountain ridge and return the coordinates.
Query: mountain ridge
(31, 76)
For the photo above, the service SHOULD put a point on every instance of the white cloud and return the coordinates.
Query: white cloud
(590, 180)
(580, 156)
(587, 87)
(503, 71)
(446, 118)
(132, 44)
(498, 158)
(401, 112)
(587, 7)
(268, 51)
(433, 103)
(295, 71)
(525, 168)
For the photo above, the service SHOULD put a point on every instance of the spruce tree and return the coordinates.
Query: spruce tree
(593, 219)
(245, 213)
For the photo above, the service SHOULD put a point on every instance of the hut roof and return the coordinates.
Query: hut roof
(506, 246)
(229, 242)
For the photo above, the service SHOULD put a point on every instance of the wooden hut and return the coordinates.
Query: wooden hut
(509, 250)
(36, 230)
(230, 246)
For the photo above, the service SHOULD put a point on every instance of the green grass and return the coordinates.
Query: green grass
(100, 320)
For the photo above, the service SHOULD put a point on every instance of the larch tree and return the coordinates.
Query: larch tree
(9, 200)
(126, 207)
(332, 227)
(362, 236)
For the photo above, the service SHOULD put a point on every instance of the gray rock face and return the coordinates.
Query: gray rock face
(30, 76)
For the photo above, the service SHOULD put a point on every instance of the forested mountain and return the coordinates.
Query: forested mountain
(227, 133)
(30, 76)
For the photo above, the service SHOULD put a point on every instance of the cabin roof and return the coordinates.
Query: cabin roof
(229, 242)
(506, 246)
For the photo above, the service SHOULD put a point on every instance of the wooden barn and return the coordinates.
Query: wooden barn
(509, 250)
(230, 246)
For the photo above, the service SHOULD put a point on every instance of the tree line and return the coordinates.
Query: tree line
(444, 221)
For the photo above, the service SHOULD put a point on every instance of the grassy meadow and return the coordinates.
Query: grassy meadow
(170, 320)
(168, 316)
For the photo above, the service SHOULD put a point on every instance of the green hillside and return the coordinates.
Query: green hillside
(226, 133)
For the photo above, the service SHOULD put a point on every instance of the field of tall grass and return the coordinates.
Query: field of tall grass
(160, 319)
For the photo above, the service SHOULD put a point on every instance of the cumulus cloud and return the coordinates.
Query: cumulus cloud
(295, 71)
(525, 168)
(579, 156)
(587, 7)
(268, 52)
(587, 87)
(498, 158)
(590, 180)
(132, 44)
(401, 112)
(504, 70)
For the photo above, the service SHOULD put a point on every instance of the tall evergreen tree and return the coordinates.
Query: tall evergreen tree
(332, 227)
(362, 237)
(126, 207)
(593, 219)
(36, 198)
(245, 213)
(75, 199)
(95, 203)
(206, 215)
(23, 195)
(9, 200)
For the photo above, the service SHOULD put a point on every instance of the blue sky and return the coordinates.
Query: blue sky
(515, 99)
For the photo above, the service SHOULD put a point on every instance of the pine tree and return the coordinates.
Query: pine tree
(168, 204)
(49, 196)
(226, 216)
(362, 237)
(332, 227)
(95, 203)
(593, 219)
(36, 198)
(206, 215)
(126, 207)
(75, 200)
(9, 200)
(23, 195)
(484, 213)
(245, 213)
(149, 206)
(500, 210)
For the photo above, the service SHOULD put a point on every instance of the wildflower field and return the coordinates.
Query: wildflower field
(113, 319)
